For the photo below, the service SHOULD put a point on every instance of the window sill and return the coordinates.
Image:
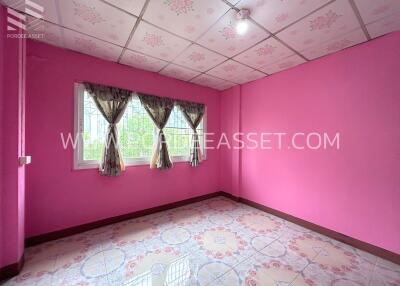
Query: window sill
(130, 163)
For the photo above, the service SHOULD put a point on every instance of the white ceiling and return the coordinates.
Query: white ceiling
(195, 40)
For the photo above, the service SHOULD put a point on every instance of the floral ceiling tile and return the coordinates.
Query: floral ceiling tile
(45, 32)
(199, 58)
(155, 42)
(225, 85)
(223, 38)
(187, 18)
(131, 6)
(179, 72)
(384, 26)
(230, 70)
(277, 14)
(213, 82)
(250, 76)
(264, 53)
(142, 61)
(330, 22)
(91, 46)
(283, 64)
(97, 19)
(373, 10)
(337, 44)
(48, 7)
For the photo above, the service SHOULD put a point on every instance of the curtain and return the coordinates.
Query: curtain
(111, 102)
(193, 113)
(159, 109)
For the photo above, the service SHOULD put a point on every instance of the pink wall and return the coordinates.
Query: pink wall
(230, 124)
(59, 197)
(2, 56)
(12, 196)
(354, 190)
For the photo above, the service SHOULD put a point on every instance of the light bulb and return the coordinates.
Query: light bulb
(242, 26)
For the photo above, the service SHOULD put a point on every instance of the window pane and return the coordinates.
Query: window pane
(179, 134)
(94, 130)
(136, 131)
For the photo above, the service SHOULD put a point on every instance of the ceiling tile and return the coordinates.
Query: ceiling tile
(179, 72)
(332, 21)
(277, 14)
(223, 38)
(45, 32)
(283, 64)
(264, 53)
(373, 10)
(230, 70)
(134, 7)
(250, 76)
(91, 46)
(188, 19)
(337, 44)
(199, 58)
(142, 61)
(384, 26)
(225, 85)
(155, 42)
(97, 19)
(213, 82)
(49, 8)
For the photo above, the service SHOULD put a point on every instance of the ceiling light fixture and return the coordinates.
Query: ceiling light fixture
(242, 24)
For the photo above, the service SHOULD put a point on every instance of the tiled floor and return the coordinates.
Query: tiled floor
(214, 242)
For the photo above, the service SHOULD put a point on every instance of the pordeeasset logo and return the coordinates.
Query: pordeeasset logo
(239, 140)
(18, 22)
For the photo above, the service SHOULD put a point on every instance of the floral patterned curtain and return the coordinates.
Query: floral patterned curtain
(193, 113)
(159, 109)
(111, 102)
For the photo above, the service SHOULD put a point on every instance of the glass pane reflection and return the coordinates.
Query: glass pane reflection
(177, 273)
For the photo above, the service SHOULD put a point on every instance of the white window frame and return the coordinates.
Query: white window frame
(79, 163)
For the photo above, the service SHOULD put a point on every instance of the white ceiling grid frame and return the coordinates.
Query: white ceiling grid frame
(266, 52)
(155, 42)
(230, 70)
(198, 58)
(141, 61)
(248, 77)
(131, 6)
(88, 45)
(179, 72)
(380, 17)
(223, 38)
(374, 17)
(213, 82)
(384, 26)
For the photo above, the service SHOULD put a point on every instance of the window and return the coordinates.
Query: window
(136, 133)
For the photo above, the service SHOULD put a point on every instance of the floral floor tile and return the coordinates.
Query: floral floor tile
(386, 274)
(213, 242)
